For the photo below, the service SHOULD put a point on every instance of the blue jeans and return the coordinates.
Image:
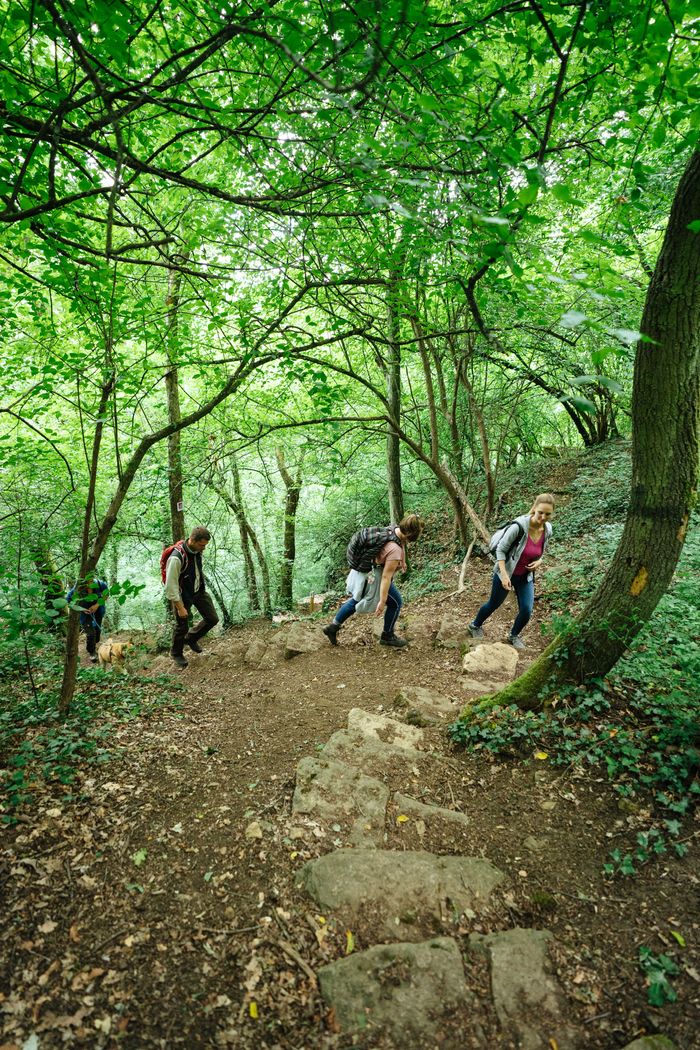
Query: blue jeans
(524, 587)
(394, 601)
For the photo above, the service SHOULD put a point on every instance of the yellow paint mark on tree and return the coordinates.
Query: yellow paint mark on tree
(639, 582)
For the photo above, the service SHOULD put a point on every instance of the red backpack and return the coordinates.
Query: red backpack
(178, 548)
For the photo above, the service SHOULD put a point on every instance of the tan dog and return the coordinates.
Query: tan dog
(113, 654)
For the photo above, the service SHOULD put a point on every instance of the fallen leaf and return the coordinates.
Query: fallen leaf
(350, 942)
(541, 755)
(402, 818)
(48, 927)
(253, 1009)
(139, 857)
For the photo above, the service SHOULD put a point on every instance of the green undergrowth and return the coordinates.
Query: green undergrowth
(646, 743)
(40, 747)
(640, 726)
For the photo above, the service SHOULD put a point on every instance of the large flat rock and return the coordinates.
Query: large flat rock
(372, 755)
(423, 706)
(333, 791)
(528, 1001)
(404, 991)
(401, 892)
(388, 730)
(494, 660)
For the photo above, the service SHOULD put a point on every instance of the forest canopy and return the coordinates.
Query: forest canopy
(314, 263)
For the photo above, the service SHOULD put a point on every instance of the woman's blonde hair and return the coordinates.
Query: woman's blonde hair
(411, 526)
(544, 497)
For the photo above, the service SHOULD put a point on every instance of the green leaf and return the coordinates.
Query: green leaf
(660, 992)
(610, 384)
(694, 226)
(582, 404)
(562, 192)
(139, 857)
(528, 195)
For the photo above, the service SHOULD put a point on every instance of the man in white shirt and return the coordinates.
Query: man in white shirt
(185, 587)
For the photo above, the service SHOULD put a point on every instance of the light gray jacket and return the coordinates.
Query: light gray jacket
(508, 537)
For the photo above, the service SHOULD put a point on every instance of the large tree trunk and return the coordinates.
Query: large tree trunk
(218, 484)
(249, 538)
(172, 387)
(70, 663)
(393, 396)
(252, 539)
(293, 490)
(665, 440)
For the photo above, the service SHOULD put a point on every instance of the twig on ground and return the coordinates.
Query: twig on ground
(108, 940)
(294, 955)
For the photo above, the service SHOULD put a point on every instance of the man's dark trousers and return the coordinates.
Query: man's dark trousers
(205, 606)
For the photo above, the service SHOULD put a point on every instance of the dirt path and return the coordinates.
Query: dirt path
(160, 909)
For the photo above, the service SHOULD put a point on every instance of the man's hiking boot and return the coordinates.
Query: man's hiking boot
(393, 640)
(193, 644)
(331, 632)
(516, 642)
(92, 658)
(475, 632)
(179, 660)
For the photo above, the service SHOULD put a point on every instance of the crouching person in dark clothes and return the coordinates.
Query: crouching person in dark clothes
(185, 587)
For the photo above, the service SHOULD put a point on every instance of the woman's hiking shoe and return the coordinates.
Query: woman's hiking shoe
(516, 642)
(193, 644)
(394, 640)
(475, 632)
(331, 632)
(179, 660)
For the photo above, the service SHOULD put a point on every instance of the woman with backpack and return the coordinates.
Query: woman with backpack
(519, 551)
(376, 547)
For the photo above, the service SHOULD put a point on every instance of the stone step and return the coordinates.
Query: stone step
(387, 730)
(408, 992)
(375, 757)
(401, 893)
(487, 668)
(333, 791)
(528, 1000)
(420, 706)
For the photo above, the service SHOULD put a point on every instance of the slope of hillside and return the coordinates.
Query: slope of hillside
(162, 906)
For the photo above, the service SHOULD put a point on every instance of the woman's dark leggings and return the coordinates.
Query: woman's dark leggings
(524, 587)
